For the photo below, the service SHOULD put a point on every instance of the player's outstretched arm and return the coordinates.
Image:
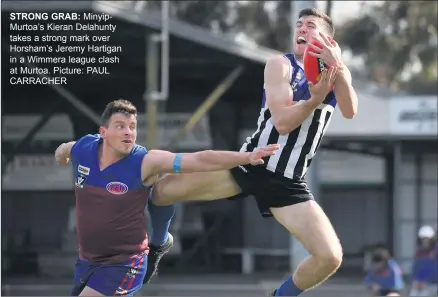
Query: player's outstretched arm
(346, 96)
(158, 161)
(279, 97)
(62, 153)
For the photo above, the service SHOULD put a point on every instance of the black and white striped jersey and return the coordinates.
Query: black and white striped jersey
(298, 147)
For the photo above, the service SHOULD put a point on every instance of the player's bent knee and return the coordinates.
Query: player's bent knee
(163, 194)
(331, 256)
(331, 259)
(308, 222)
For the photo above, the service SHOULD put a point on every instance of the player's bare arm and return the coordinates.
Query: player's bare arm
(279, 96)
(62, 153)
(330, 53)
(346, 96)
(159, 161)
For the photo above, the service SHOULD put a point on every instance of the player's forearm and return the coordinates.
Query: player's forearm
(215, 160)
(346, 96)
(293, 116)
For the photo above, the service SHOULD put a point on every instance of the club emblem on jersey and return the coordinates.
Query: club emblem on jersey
(298, 77)
(296, 81)
(117, 188)
(83, 170)
(80, 181)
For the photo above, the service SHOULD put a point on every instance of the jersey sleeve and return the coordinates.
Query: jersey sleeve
(79, 146)
(138, 155)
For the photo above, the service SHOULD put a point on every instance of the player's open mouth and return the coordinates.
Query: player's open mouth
(127, 141)
(301, 40)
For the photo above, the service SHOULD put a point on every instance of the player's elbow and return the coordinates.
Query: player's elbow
(350, 114)
(282, 129)
(348, 104)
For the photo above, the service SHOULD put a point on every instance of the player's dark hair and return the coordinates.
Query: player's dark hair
(319, 14)
(380, 255)
(117, 106)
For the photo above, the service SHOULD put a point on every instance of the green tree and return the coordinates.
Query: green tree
(398, 41)
(267, 22)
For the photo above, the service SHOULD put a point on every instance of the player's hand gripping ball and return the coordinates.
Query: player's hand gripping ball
(314, 66)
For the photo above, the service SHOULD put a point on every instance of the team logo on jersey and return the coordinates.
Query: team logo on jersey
(296, 81)
(80, 181)
(117, 188)
(298, 77)
(83, 170)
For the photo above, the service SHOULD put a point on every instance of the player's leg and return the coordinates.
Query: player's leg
(309, 224)
(214, 185)
(160, 218)
(161, 241)
(117, 279)
(174, 188)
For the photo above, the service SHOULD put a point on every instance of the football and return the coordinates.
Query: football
(313, 66)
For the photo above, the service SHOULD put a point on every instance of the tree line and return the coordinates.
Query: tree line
(397, 39)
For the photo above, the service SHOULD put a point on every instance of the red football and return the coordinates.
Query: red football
(313, 66)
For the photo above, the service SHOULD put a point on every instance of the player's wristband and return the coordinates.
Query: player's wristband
(177, 163)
